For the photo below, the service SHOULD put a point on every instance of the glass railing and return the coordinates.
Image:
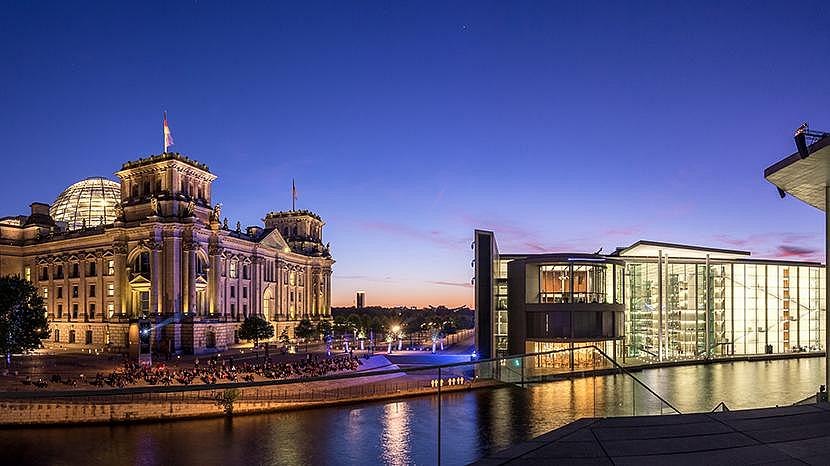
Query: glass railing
(598, 387)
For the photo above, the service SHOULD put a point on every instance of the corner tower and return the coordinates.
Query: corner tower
(169, 185)
(301, 229)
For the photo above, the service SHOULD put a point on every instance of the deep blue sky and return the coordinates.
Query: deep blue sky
(560, 125)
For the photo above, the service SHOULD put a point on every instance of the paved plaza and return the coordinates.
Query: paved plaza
(788, 435)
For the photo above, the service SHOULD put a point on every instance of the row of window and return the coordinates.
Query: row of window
(292, 278)
(90, 311)
(91, 290)
(90, 270)
(87, 336)
(244, 291)
(186, 188)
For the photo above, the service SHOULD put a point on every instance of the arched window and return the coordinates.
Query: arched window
(200, 267)
(141, 265)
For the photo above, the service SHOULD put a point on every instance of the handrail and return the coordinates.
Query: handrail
(809, 398)
(624, 370)
(722, 404)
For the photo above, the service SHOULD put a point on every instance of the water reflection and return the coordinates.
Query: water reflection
(395, 437)
(404, 431)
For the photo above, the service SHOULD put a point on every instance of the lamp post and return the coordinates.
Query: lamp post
(396, 330)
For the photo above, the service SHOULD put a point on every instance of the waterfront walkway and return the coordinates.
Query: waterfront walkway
(789, 435)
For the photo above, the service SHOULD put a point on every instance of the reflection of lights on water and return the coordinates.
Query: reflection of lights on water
(397, 432)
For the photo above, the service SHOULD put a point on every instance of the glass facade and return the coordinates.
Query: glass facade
(500, 324)
(678, 302)
(688, 309)
(579, 283)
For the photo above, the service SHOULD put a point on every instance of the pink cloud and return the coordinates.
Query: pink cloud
(434, 236)
(445, 283)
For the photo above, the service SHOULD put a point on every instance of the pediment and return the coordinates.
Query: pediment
(274, 240)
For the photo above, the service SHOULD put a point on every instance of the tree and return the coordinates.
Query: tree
(23, 321)
(304, 330)
(324, 328)
(256, 328)
(225, 399)
(284, 338)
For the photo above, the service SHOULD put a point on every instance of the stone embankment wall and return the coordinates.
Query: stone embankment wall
(16, 413)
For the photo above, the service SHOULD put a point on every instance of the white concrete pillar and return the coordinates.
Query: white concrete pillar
(826, 287)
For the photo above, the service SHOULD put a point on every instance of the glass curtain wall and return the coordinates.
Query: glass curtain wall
(641, 319)
(725, 309)
(500, 326)
(580, 283)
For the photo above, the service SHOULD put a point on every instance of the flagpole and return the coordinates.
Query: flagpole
(163, 135)
(293, 195)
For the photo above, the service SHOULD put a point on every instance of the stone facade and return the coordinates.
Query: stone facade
(171, 258)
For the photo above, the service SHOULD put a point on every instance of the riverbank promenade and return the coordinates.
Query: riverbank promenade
(788, 435)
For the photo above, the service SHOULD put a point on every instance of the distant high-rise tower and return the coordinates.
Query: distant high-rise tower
(361, 299)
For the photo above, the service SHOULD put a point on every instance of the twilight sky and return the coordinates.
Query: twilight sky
(408, 124)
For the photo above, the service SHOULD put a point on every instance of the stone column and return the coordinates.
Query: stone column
(214, 254)
(155, 276)
(100, 292)
(171, 281)
(190, 278)
(121, 273)
(327, 297)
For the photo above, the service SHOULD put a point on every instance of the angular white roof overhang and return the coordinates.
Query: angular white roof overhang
(804, 179)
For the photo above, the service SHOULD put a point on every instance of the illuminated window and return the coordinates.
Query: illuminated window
(141, 265)
(110, 310)
(232, 272)
(75, 291)
(110, 267)
(110, 289)
(291, 279)
(46, 293)
(27, 272)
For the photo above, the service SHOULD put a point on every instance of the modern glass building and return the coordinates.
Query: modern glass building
(650, 301)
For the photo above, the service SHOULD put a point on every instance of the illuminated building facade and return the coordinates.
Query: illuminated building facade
(154, 247)
(650, 301)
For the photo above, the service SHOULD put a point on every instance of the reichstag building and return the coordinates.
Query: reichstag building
(155, 248)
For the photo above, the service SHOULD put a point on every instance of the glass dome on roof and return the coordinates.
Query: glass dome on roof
(89, 203)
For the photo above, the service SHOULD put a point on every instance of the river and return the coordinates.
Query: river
(404, 432)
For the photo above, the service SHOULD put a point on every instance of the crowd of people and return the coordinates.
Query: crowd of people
(214, 370)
